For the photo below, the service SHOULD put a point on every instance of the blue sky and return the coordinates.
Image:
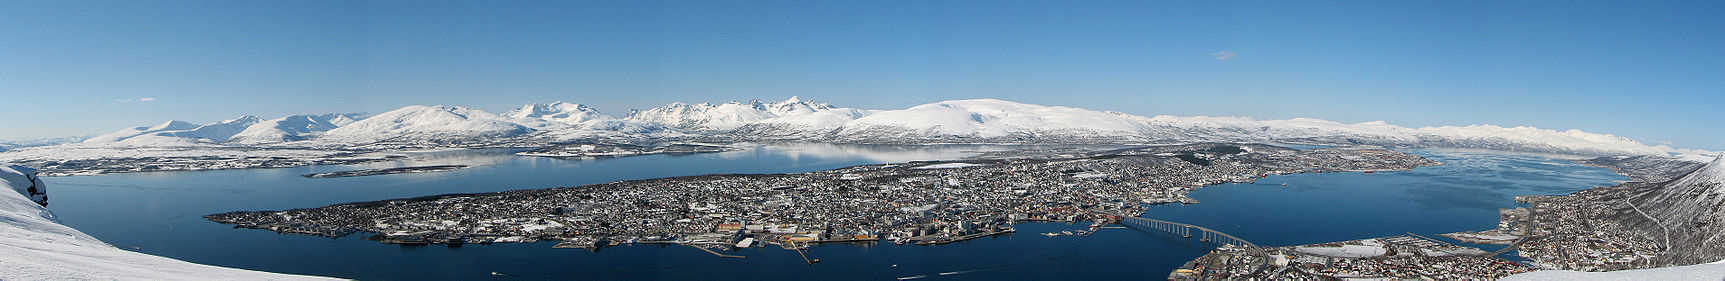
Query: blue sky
(1649, 71)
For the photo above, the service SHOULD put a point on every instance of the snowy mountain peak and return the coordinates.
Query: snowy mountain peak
(170, 125)
(123, 134)
(177, 133)
(215, 132)
(293, 128)
(418, 123)
(563, 113)
(705, 117)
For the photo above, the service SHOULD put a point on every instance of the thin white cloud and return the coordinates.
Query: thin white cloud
(1224, 55)
(143, 99)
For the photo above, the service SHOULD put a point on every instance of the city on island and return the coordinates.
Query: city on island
(903, 203)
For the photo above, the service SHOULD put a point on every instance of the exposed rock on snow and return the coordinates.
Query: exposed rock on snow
(35, 246)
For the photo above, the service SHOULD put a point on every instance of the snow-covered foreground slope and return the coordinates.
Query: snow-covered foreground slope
(34, 246)
(1701, 272)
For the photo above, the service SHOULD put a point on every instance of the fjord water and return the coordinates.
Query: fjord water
(161, 213)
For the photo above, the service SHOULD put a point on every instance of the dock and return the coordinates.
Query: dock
(965, 237)
(710, 251)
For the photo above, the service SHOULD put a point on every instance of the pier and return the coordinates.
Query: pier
(710, 251)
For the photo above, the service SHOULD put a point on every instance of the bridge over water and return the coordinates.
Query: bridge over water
(1204, 234)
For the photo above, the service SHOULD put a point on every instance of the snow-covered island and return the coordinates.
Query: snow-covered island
(35, 246)
(601, 150)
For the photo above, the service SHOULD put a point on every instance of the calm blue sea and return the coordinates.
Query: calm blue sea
(161, 214)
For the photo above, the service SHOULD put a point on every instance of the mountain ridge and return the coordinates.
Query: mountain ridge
(795, 119)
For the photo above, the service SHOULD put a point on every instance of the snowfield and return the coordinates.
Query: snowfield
(35, 246)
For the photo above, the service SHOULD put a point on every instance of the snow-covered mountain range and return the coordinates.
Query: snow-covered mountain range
(958, 121)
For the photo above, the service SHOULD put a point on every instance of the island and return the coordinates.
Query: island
(915, 202)
(603, 150)
(387, 171)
